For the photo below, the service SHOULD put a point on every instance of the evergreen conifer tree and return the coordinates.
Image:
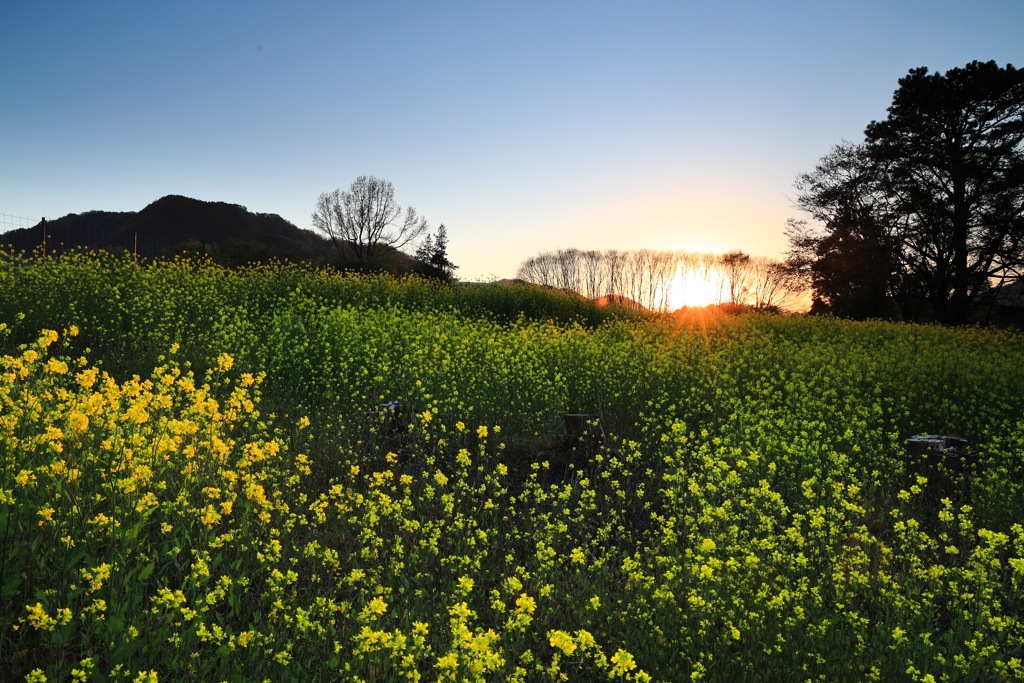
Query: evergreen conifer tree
(431, 258)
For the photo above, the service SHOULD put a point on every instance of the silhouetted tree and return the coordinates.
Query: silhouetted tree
(592, 268)
(365, 222)
(771, 285)
(851, 272)
(431, 258)
(569, 269)
(736, 267)
(536, 269)
(930, 208)
(613, 260)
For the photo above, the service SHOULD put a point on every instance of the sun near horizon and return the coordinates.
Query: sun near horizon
(693, 289)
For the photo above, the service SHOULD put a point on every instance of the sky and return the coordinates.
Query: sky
(524, 127)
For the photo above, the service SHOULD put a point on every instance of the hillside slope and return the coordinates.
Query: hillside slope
(164, 224)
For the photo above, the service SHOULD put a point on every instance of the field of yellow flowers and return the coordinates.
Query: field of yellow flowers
(200, 483)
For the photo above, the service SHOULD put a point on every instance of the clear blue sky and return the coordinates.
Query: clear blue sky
(522, 126)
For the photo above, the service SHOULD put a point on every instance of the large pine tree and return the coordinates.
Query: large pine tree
(938, 186)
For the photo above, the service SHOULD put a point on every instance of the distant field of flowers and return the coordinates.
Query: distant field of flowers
(280, 474)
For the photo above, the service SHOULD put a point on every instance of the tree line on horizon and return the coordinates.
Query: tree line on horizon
(647, 277)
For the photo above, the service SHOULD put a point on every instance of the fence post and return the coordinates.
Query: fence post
(44, 238)
(135, 246)
(389, 419)
(948, 466)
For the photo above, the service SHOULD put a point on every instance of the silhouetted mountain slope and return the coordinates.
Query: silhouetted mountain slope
(164, 224)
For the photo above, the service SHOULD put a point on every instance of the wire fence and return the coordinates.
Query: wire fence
(10, 222)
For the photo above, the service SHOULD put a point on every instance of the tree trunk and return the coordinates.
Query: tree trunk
(957, 311)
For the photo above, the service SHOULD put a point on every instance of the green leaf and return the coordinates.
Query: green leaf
(11, 583)
(147, 571)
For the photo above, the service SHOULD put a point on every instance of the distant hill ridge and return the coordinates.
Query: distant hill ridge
(166, 223)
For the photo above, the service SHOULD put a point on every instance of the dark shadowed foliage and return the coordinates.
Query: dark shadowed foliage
(926, 216)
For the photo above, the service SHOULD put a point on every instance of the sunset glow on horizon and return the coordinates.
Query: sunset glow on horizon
(694, 288)
(522, 127)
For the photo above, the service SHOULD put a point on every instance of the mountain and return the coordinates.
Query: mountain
(167, 223)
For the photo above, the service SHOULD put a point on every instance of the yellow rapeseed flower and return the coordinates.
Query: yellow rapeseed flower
(81, 675)
(373, 610)
(563, 641)
(449, 661)
(78, 422)
(47, 515)
(460, 610)
(38, 618)
(100, 520)
(525, 603)
(87, 377)
(57, 367)
(146, 501)
(49, 336)
(622, 662)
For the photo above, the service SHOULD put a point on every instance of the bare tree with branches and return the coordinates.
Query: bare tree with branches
(735, 267)
(772, 284)
(538, 270)
(365, 221)
(592, 266)
(568, 269)
(613, 260)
